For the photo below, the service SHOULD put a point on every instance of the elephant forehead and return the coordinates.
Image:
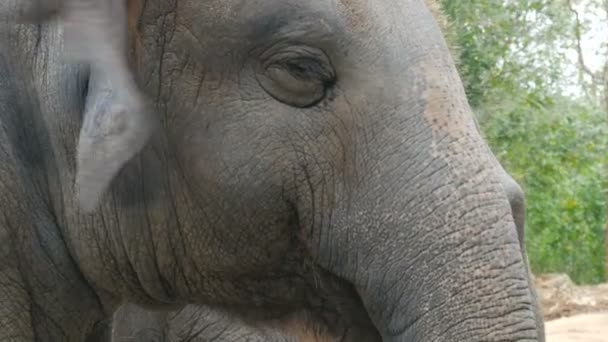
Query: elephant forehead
(358, 12)
(355, 12)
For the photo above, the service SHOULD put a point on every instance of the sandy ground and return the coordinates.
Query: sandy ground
(589, 327)
(573, 313)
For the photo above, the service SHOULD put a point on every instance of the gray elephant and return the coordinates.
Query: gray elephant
(317, 171)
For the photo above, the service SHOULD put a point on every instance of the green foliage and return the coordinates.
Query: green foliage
(499, 45)
(559, 157)
(512, 61)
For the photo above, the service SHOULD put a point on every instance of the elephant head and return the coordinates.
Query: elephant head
(315, 142)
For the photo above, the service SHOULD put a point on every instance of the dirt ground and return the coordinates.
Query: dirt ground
(573, 313)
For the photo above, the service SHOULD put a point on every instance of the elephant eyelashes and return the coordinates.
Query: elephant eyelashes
(298, 76)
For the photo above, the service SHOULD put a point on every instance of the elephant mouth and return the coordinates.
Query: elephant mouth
(337, 314)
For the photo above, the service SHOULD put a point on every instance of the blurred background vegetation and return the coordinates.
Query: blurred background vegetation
(536, 74)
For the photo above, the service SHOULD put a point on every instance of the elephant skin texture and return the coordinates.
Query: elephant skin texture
(315, 174)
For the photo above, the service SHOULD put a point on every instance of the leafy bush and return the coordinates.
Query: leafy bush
(559, 156)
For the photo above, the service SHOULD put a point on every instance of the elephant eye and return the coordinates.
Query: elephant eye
(298, 76)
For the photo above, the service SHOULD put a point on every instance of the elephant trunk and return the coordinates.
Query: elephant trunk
(457, 282)
(454, 286)
(437, 257)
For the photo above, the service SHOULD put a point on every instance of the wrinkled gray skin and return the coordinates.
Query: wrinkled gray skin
(95, 33)
(318, 173)
(190, 324)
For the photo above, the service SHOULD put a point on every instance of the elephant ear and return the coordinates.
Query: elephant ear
(116, 126)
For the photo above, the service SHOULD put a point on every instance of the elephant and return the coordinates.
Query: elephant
(317, 174)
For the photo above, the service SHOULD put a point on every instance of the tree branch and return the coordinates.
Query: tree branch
(595, 77)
